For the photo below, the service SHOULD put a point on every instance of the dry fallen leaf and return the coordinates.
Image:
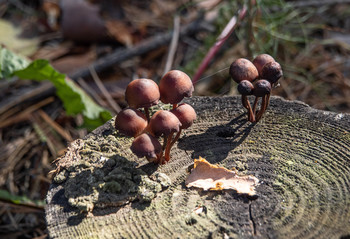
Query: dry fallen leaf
(211, 177)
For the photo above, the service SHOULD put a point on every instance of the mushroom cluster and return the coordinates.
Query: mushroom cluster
(256, 78)
(147, 130)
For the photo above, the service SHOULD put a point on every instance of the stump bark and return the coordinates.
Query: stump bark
(300, 155)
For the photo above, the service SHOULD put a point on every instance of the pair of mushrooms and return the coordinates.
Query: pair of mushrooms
(256, 78)
(146, 129)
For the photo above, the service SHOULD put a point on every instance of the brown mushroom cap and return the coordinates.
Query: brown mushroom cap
(186, 114)
(260, 60)
(272, 72)
(130, 122)
(174, 86)
(243, 69)
(245, 87)
(163, 123)
(146, 145)
(142, 93)
(261, 88)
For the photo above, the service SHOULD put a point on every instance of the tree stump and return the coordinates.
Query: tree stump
(300, 155)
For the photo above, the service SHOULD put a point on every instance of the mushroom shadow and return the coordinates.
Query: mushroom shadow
(226, 137)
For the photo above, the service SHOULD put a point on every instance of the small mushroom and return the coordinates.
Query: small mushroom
(272, 72)
(187, 115)
(262, 89)
(174, 86)
(243, 69)
(246, 88)
(142, 93)
(164, 123)
(145, 145)
(131, 122)
(260, 60)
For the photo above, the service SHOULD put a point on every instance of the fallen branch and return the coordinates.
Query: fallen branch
(153, 43)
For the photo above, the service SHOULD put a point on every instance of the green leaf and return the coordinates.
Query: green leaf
(10, 62)
(74, 99)
(23, 200)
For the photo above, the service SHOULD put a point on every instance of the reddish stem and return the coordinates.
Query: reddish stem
(176, 138)
(244, 101)
(147, 113)
(255, 104)
(168, 148)
(251, 115)
(263, 107)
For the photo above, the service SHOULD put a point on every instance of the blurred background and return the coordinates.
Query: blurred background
(64, 67)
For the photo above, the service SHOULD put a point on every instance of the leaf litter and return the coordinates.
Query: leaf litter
(212, 177)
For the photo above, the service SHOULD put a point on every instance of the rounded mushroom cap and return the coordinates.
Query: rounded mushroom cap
(163, 123)
(142, 93)
(174, 86)
(245, 87)
(243, 69)
(262, 87)
(272, 72)
(260, 60)
(186, 114)
(146, 145)
(130, 122)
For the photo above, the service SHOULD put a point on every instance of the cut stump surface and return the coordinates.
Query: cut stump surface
(300, 155)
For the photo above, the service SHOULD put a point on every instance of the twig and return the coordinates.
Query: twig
(64, 133)
(91, 92)
(104, 91)
(173, 44)
(25, 115)
(26, 95)
(153, 43)
(225, 34)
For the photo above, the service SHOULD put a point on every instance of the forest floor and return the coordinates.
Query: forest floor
(103, 46)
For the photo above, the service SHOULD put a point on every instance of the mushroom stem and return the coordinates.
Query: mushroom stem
(251, 115)
(244, 101)
(263, 107)
(168, 147)
(165, 142)
(147, 113)
(267, 101)
(246, 104)
(255, 104)
(175, 139)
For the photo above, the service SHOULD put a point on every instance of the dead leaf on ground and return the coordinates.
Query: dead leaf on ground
(212, 177)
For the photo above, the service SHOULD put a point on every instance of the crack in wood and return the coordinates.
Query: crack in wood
(252, 219)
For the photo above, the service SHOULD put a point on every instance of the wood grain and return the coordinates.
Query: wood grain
(300, 155)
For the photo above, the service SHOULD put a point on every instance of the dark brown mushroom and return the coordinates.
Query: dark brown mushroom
(174, 86)
(246, 88)
(272, 72)
(260, 60)
(243, 69)
(142, 93)
(262, 89)
(145, 145)
(131, 122)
